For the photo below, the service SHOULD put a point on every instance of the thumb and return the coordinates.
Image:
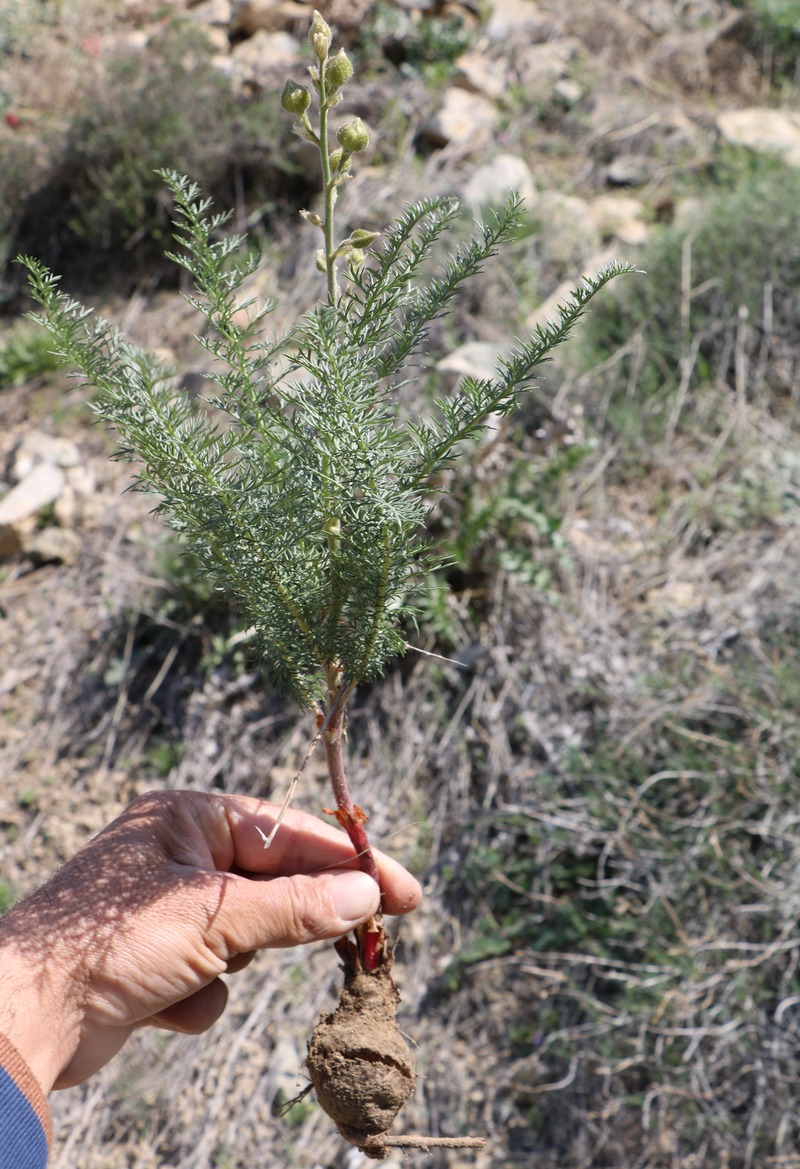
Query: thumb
(291, 911)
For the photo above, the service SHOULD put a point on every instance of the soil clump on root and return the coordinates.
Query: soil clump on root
(358, 1062)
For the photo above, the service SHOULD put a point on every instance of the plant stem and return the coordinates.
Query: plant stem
(370, 936)
(329, 190)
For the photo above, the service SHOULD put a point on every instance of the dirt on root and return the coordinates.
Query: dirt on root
(360, 1065)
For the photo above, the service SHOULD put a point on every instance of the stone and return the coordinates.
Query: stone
(41, 486)
(540, 67)
(213, 12)
(78, 502)
(629, 170)
(38, 447)
(619, 217)
(250, 16)
(657, 15)
(568, 231)
(510, 18)
(490, 184)
(474, 358)
(217, 37)
(568, 90)
(765, 131)
(264, 59)
(463, 119)
(10, 540)
(52, 545)
(478, 73)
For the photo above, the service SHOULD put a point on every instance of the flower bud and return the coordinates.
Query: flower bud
(295, 99)
(336, 158)
(338, 69)
(357, 258)
(353, 136)
(320, 35)
(361, 238)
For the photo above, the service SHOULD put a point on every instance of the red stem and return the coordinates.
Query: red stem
(370, 936)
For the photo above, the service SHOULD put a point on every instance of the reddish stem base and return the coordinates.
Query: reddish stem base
(370, 937)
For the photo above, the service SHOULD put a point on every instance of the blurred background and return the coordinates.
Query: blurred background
(600, 793)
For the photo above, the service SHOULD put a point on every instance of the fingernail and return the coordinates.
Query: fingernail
(355, 896)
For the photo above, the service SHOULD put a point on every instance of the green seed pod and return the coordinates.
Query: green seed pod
(353, 136)
(338, 69)
(295, 99)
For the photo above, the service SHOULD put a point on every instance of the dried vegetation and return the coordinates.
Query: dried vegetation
(601, 797)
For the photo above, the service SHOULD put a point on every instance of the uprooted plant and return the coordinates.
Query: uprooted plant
(302, 487)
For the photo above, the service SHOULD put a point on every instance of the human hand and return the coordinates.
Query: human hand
(138, 926)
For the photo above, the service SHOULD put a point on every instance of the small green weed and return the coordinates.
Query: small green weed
(8, 895)
(778, 29)
(428, 47)
(25, 353)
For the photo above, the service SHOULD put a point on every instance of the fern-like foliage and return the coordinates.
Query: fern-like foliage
(299, 484)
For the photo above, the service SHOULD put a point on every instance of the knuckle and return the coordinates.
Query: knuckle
(303, 914)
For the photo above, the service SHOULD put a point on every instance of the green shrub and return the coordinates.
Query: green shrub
(428, 46)
(725, 285)
(100, 201)
(25, 353)
(778, 27)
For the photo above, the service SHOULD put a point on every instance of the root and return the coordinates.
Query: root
(358, 1061)
(360, 1065)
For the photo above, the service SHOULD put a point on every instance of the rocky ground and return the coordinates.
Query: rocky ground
(649, 648)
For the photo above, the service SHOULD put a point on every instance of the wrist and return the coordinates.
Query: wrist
(40, 1010)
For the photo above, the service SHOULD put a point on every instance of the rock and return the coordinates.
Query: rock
(629, 170)
(250, 16)
(264, 60)
(489, 184)
(464, 118)
(478, 73)
(10, 540)
(568, 231)
(41, 486)
(217, 37)
(619, 216)
(213, 12)
(568, 90)
(540, 67)
(37, 447)
(78, 502)
(52, 545)
(658, 15)
(764, 130)
(475, 358)
(510, 18)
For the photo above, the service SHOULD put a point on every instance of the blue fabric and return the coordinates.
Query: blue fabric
(22, 1141)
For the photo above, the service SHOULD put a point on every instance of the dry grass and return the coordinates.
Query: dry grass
(601, 802)
(608, 792)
